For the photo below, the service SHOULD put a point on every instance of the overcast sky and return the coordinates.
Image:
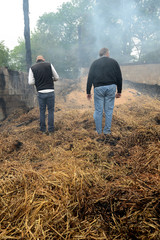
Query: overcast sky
(12, 21)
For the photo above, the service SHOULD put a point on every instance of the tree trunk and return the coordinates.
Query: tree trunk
(27, 34)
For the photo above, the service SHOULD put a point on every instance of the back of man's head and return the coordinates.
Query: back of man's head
(103, 51)
(40, 58)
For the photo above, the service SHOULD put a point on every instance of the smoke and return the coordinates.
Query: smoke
(112, 24)
(128, 28)
(81, 28)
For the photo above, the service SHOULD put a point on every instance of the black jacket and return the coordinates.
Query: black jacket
(43, 76)
(104, 71)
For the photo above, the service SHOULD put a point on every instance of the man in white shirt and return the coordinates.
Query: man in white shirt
(42, 75)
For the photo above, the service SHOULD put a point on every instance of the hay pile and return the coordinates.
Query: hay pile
(71, 186)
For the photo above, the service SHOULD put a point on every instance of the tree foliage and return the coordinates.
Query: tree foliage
(18, 57)
(71, 37)
(4, 55)
(60, 33)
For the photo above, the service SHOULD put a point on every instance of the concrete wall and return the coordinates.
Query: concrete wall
(147, 73)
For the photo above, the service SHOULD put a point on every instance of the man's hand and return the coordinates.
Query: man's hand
(89, 96)
(118, 95)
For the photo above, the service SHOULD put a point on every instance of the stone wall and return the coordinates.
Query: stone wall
(15, 92)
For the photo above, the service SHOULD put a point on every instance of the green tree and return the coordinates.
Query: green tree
(70, 30)
(18, 57)
(72, 37)
(58, 33)
(4, 55)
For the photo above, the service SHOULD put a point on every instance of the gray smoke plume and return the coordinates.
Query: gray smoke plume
(127, 28)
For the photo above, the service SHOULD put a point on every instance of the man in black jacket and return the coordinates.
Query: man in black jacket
(42, 75)
(105, 75)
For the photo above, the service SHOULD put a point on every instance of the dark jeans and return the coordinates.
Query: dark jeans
(46, 100)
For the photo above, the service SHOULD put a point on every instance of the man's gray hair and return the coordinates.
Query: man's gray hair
(103, 51)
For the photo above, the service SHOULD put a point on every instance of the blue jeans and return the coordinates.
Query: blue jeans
(104, 97)
(46, 100)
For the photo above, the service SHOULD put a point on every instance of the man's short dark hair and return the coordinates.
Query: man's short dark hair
(103, 51)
